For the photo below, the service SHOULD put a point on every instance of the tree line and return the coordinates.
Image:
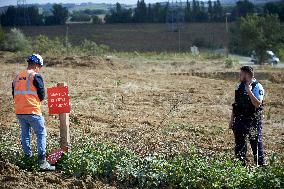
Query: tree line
(189, 11)
(195, 11)
(22, 16)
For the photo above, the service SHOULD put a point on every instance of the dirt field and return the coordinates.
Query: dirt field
(148, 103)
(136, 37)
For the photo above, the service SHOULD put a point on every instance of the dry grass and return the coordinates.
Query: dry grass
(138, 102)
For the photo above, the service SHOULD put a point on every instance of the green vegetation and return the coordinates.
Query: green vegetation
(59, 15)
(159, 13)
(16, 41)
(138, 37)
(190, 170)
(230, 62)
(257, 33)
(17, 16)
(79, 17)
(275, 8)
(190, 11)
(22, 16)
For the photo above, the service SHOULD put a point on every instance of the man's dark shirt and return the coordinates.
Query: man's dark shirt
(39, 85)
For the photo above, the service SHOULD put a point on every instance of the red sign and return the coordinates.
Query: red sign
(58, 100)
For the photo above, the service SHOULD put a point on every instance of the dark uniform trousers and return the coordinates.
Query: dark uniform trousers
(251, 129)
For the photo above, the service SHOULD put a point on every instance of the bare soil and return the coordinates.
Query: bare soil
(144, 104)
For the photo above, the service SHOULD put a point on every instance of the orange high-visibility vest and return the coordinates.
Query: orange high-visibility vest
(26, 100)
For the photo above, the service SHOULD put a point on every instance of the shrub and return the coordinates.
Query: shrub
(15, 41)
(43, 45)
(229, 63)
(91, 48)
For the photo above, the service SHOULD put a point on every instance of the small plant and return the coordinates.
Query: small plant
(229, 63)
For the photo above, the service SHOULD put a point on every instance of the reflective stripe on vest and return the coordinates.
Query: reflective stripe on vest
(28, 87)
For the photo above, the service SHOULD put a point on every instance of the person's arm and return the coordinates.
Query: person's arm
(231, 120)
(13, 89)
(39, 85)
(255, 101)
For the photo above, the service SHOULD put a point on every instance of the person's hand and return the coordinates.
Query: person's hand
(248, 87)
(231, 124)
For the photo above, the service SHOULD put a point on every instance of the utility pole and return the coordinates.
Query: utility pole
(67, 38)
(227, 33)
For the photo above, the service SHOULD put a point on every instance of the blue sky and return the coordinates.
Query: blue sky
(14, 2)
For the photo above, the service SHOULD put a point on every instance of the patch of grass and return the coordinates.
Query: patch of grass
(213, 56)
(184, 171)
(186, 127)
(189, 170)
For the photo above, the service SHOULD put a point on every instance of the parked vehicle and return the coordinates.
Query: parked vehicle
(270, 58)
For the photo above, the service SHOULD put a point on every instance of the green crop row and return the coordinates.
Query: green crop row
(190, 170)
(182, 171)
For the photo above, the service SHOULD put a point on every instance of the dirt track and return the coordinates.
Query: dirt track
(146, 107)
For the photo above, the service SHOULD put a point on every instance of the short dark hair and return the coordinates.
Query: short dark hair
(248, 69)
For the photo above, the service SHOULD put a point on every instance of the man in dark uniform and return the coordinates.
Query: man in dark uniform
(246, 119)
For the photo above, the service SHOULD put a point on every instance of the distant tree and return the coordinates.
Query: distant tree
(160, 12)
(218, 14)
(259, 34)
(21, 16)
(97, 19)
(94, 12)
(150, 15)
(59, 15)
(242, 8)
(119, 15)
(210, 10)
(195, 10)
(202, 15)
(140, 12)
(80, 16)
(275, 8)
(271, 8)
(188, 13)
(157, 12)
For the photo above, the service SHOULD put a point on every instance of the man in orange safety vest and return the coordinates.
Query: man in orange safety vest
(28, 92)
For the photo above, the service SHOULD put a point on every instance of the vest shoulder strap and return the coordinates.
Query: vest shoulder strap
(254, 84)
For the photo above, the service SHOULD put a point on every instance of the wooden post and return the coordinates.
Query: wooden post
(64, 127)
